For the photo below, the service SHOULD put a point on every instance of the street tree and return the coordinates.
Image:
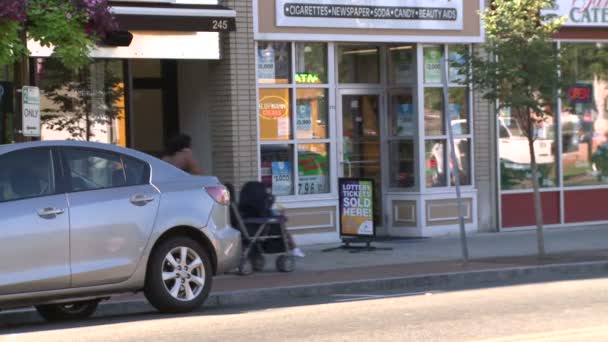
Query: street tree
(517, 68)
(71, 27)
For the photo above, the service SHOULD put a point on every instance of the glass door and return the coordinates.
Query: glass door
(361, 140)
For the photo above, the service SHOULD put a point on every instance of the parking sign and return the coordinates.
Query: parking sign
(31, 111)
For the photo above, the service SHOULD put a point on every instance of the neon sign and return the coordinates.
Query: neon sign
(581, 93)
(308, 78)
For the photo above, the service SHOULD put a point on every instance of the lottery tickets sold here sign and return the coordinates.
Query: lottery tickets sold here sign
(357, 207)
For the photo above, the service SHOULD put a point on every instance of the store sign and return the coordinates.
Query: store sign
(272, 107)
(266, 64)
(281, 178)
(405, 119)
(312, 173)
(432, 65)
(581, 12)
(357, 207)
(371, 14)
(580, 93)
(304, 78)
(31, 111)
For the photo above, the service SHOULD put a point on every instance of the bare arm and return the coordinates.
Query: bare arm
(191, 163)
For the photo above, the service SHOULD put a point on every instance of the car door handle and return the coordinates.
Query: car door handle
(141, 199)
(50, 212)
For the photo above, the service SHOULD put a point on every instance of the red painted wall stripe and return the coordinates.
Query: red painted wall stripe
(518, 209)
(586, 205)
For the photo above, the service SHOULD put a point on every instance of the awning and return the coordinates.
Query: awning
(139, 16)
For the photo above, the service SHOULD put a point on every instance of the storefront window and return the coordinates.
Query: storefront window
(88, 105)
(463, 157)
(584, 117)
(299, 141)
(311, 63)
(274, 63)
(311, 113)
(514, 153)
(275, 114)
(402, 164)
(402, 122)
(433, 111)
(313, 169)
(459, 110)
(435, 163)
(401, 145)
(402, 64)
(456, 58)
(277, 168)
(359, 64)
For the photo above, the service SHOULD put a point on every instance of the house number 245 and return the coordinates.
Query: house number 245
(219, 25)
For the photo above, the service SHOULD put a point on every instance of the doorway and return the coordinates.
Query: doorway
(360, 125)
(154, 112)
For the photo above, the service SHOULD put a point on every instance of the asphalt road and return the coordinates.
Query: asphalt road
(561, 311)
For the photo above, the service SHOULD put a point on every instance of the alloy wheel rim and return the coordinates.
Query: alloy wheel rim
(183, 274)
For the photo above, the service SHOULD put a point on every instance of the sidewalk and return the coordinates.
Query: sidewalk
(411, 265)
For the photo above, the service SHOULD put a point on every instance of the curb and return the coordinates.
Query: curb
(417, 283)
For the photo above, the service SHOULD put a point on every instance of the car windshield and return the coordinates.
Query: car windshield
(512, 126)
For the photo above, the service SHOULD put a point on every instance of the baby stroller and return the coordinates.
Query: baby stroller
(262, 231)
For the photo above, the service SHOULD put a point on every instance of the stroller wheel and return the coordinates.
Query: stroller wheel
(245, 267)
(286, 263)
(258, 261)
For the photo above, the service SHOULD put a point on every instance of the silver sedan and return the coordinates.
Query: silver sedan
(82, 221)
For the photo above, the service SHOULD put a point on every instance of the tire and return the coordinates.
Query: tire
(68, 311)
(286, 263)
(186, 285)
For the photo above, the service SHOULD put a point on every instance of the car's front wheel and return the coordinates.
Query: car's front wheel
(68, 311)
(179, 276)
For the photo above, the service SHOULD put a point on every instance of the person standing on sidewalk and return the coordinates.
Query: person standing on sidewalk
(179, 153)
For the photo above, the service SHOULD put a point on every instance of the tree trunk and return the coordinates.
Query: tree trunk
(538, 206)
(21, 79)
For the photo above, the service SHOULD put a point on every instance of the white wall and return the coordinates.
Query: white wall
(193, 76)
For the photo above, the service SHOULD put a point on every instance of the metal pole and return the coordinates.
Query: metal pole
(455, 168)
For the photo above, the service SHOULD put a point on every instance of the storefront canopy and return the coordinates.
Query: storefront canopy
(144, 16)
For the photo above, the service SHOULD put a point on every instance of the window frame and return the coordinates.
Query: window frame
(56, 169)
(294, 142)
(424, 138)
(66, 179)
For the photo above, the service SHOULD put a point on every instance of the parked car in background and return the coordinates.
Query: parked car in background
(80, 222)
(514, 149)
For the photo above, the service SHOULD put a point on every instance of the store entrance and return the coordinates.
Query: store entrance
(361, 140)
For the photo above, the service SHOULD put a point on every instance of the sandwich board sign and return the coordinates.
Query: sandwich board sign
(357, 207)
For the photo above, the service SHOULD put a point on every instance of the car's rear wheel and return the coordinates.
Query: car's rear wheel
(68, 311)
(179, 276)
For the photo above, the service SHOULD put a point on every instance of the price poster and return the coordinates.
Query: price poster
(281, 178)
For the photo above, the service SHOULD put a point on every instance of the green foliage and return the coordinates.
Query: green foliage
(520, 69)
(11, 47)
(58, 23)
